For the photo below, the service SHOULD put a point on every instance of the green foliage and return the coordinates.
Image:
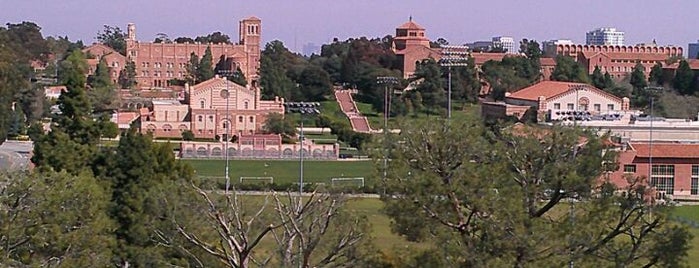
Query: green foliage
(215, 38)
(54, 219)
(275, 64)
(102, 93)
(656, 75)
(315, 84)
(638, 78)
(205, 70)
(499, 199)
(114, 37)
(187, 135)
(432, 86)
(276, 123)
(568, 70)
(193, 69)
(684, 79)
(127, 76)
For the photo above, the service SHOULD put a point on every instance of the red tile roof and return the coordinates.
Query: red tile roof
(547, 89)
(410, 25)
(693, 64)
(666, 150)
(126, 117)
(547, 61)
(481, 57)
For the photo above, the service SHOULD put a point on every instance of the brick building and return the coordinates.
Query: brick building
(617, 60)
(156, 63)
(115, 61)
(675, 167)
(412, 45)
(205, 113)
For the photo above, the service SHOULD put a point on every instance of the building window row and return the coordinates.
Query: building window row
(571, 106)
(663, 178)
(695, 180)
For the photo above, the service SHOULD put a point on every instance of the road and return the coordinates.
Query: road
(15, 155)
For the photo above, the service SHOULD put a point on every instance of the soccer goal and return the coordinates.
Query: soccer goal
(269, 180)
(356, 181)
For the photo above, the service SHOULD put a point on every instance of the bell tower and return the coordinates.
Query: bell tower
(250, 32)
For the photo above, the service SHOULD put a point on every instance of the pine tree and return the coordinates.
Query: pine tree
(683, 78)
(656, 74)
(206, 66)
(638, 78)
(127, 76)
(102, 93)
(193, 69)
(597, 78)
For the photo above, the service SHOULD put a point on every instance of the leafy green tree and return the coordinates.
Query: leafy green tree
(183, 40)
(273, 71)
(504, 77)
(276, 123)
(114, 37)
(238, 77)
(315, 84)
(187, 135)
(597, 78)
(499, 199)
(568, 70)
(215, 38)
(43, 226)
(683, 78)
(127, 76)
(656, 75)
(431, 86)
(638, 78)
(10, 80)
(532, 52)
(205, 68)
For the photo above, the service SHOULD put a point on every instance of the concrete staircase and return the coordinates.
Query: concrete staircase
(349, 107)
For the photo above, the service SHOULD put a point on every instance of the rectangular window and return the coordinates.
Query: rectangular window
(629, 168)
(695, 180)
(598, 107)
(571, 106)
(663, 178)
(610, 107)
(557, 106)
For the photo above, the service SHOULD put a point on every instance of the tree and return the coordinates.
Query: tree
(113, 37)
(432, 85)
(532, 52)
(127, 76)
(215, 38)
(638, 78)
(315, 84)
(276, 123)
(193, 69)
(656, 75)
(683, 78)
(162, 38)
(41, 226)
(568, 70)
(273, 74)
(145, 178)
(494, 198)
(205, 68)
(183, 40)
(598, 79)
(187, 135)
(102, 93)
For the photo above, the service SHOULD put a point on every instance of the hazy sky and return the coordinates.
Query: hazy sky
(297, 22)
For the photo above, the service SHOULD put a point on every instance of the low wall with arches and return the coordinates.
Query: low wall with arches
(237, 150)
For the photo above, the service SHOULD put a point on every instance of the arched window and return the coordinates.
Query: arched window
(202, 104)
(251, 119)
(200, 118)
(246, 105)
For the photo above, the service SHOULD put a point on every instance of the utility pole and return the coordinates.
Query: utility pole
(386, 81)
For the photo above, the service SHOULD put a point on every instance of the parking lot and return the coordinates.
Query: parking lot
(15, 155)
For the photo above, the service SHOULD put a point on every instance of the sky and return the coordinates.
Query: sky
(298, 22)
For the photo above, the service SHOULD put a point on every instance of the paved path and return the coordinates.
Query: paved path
(15, 155)
(349, 107)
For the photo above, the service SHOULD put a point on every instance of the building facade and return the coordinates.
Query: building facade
(505, 42)
(209, 114)
(616, 60)
(115, 61)
(693, 50)
(265, 146)
(554, 100)
(675, 167)
(156, 63)
(411, 45)
(605, 36)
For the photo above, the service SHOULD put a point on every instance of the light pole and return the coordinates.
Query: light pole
(226, 94)
(386, 81)
(301, 108)
(452, 56)
(650, 131)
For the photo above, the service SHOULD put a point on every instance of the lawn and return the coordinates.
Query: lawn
(690, 215)
(286, 171)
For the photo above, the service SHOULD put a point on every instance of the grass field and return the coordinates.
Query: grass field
(286, 171)
(690, 213)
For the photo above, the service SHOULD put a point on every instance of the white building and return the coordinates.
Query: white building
(506, 42)
(605, 36)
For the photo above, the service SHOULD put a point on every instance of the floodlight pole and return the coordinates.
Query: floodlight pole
(386, 80)
(452, 56)
(226, 74)
(650, 133)
(301, 160)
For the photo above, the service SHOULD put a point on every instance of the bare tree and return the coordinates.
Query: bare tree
(318, 233)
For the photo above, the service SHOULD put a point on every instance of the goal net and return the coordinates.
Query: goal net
(269, 180)
(356, 181)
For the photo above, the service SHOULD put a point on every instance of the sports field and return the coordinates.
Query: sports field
(286, 171)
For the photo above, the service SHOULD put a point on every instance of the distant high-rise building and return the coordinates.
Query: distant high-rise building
(480, 46)
(605, 36)
(505, 42)
(310, 49)
(693, 50)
